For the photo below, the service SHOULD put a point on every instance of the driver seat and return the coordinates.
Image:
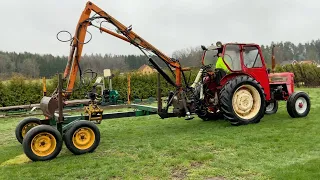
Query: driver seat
(219, 74)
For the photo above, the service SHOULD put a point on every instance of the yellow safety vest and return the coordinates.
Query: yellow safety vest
(220, 64)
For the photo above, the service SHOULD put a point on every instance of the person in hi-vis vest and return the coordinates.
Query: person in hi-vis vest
(220, 64)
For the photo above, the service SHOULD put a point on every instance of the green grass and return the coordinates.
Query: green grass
(278, 147)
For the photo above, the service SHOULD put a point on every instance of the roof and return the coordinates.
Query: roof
(213, 46)
(288, 62)
(236, 43)
(142, 67)
(308, 62)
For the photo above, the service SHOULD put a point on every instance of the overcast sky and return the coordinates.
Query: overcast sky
(169, 25)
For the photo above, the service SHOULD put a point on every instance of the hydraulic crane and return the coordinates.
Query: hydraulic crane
(50, 104)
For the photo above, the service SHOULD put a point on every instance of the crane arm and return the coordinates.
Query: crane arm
(125, 33)
(49, 104)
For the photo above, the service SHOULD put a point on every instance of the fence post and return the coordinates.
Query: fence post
(159, 94)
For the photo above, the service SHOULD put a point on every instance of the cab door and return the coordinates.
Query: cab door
(253, 64)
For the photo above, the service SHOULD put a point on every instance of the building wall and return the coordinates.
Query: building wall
(147, 70)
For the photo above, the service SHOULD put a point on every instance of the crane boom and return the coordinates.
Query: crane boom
(49, 104)
(126, 34)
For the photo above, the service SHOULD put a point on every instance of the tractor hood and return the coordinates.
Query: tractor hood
(281, 78)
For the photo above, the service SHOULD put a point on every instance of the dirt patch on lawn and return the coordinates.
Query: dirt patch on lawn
(179, 173)
(16, 160)
(216, 178)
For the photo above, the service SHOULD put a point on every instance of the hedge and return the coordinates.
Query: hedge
(19, 90)
(307, 75)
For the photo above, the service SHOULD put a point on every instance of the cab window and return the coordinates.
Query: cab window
(210, 57)
(251, 57)
(232, 57)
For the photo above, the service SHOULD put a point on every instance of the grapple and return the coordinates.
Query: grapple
(48, 105)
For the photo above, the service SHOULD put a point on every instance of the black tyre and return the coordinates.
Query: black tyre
(210, 116)
(42, 143)
(272, 107)
(298, 104)
(242, 100)
(82, 137)
(24, 126)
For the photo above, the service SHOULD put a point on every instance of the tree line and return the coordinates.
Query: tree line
(46, 65)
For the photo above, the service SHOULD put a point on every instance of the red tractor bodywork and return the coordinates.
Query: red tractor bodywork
(270, 82)
(284, 80)
(235, 82)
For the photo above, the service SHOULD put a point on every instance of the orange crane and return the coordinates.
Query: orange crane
(49, 104)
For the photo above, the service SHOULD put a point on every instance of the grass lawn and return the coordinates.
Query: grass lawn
(278, 147)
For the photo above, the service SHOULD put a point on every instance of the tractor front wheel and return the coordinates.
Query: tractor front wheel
(272, 107)
(242, 100)
(298, 104)
(42, 143)
(82, 137)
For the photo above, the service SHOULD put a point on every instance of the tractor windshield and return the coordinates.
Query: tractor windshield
(210, 57)
(231, 57)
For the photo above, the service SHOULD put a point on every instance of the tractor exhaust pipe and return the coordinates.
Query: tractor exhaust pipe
(273, 60)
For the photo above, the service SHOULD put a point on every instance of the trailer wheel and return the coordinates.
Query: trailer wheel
(298, 104)
(42, 143)
(24, 126)
(272, 107)
(82, 137)
(242, 100)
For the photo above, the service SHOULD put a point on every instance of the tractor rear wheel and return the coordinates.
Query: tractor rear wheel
(24, 126)
(42, 143)
(298, 104)
(82, 137)
(242, 100)
(272, 107)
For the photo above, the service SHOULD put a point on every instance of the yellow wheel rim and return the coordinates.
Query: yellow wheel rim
(27, 127)
(43, 144)
(246, 102)
(83, 138)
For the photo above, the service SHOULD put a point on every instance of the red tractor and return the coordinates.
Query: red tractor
(248, 90)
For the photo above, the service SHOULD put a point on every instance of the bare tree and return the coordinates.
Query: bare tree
(6, 66)
(29, 68)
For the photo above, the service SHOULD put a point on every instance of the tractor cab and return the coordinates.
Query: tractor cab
(237, 57)
(240, 59)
